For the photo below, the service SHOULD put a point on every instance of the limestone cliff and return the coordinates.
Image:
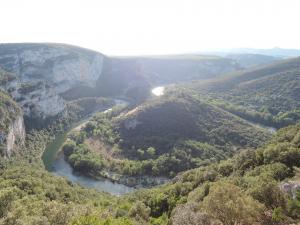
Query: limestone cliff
(43, 72)
(41, 78)
(16, 136)
(12, 129)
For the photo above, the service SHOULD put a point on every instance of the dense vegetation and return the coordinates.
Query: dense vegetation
(268, 94)
(234, 173)
(30, 195)
(161, 137)
(242, 190)
(251, 60)
(6, 77)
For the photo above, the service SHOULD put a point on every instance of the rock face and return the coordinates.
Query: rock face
(168, 70)
(290, 187)
(43, 72)
(15, 136)
(12, 130)
(42, 77)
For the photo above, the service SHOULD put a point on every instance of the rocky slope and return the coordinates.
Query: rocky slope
(42, 78)
(12, 130)
(171, 69)
(40, 73)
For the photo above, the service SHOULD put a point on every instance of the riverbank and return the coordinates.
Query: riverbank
(136, 182)
(116, 184)
(61, 167)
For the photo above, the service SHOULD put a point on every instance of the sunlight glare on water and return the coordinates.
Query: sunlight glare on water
(158, 91)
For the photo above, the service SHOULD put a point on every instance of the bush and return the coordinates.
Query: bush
(228, 204)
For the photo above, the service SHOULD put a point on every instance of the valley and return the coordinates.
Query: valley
(54, 161)
(162, 140)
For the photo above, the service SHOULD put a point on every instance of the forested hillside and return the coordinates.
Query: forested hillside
(202, 144)
(245, 189)
(268, 95)
(163, 136)
(251, 60)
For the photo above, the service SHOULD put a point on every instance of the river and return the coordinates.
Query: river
(54, 162)
(158, 91)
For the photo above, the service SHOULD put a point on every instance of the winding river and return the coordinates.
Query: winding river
(54, 162)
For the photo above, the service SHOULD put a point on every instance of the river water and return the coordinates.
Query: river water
(54, 162)
(158, 91)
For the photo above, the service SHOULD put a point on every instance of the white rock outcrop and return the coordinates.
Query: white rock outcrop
(290, 187)
(15, 137)
(45, 71)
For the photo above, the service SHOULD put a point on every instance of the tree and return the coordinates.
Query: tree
(189, 214)
(6, 198)
(69, 147)
(140, 211)
(95, 220)
(230, 205)
(151, 151)
(266, 190)
(90, 126)
(294, 206)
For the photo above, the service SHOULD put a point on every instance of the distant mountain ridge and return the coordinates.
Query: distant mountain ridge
(275, 52)
(43, 77)
(252, 60)
(268, 94)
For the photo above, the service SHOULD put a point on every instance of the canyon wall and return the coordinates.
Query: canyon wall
(41, 73)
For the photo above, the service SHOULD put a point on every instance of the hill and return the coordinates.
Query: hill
(43, 72)
(246, 189)
(267, 94)
(221, 168)
(161, 137)
(171, 69)
(252, 60)
(43, 77)
(248, 186)
(274, 52)
(181, 117)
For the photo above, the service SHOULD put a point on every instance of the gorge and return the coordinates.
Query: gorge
(146, 140)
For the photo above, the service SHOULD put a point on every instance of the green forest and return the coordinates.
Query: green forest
(220, 146)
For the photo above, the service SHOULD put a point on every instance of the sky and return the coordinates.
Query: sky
(141, 27)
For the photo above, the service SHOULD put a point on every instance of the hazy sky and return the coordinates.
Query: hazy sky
(127, 27)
